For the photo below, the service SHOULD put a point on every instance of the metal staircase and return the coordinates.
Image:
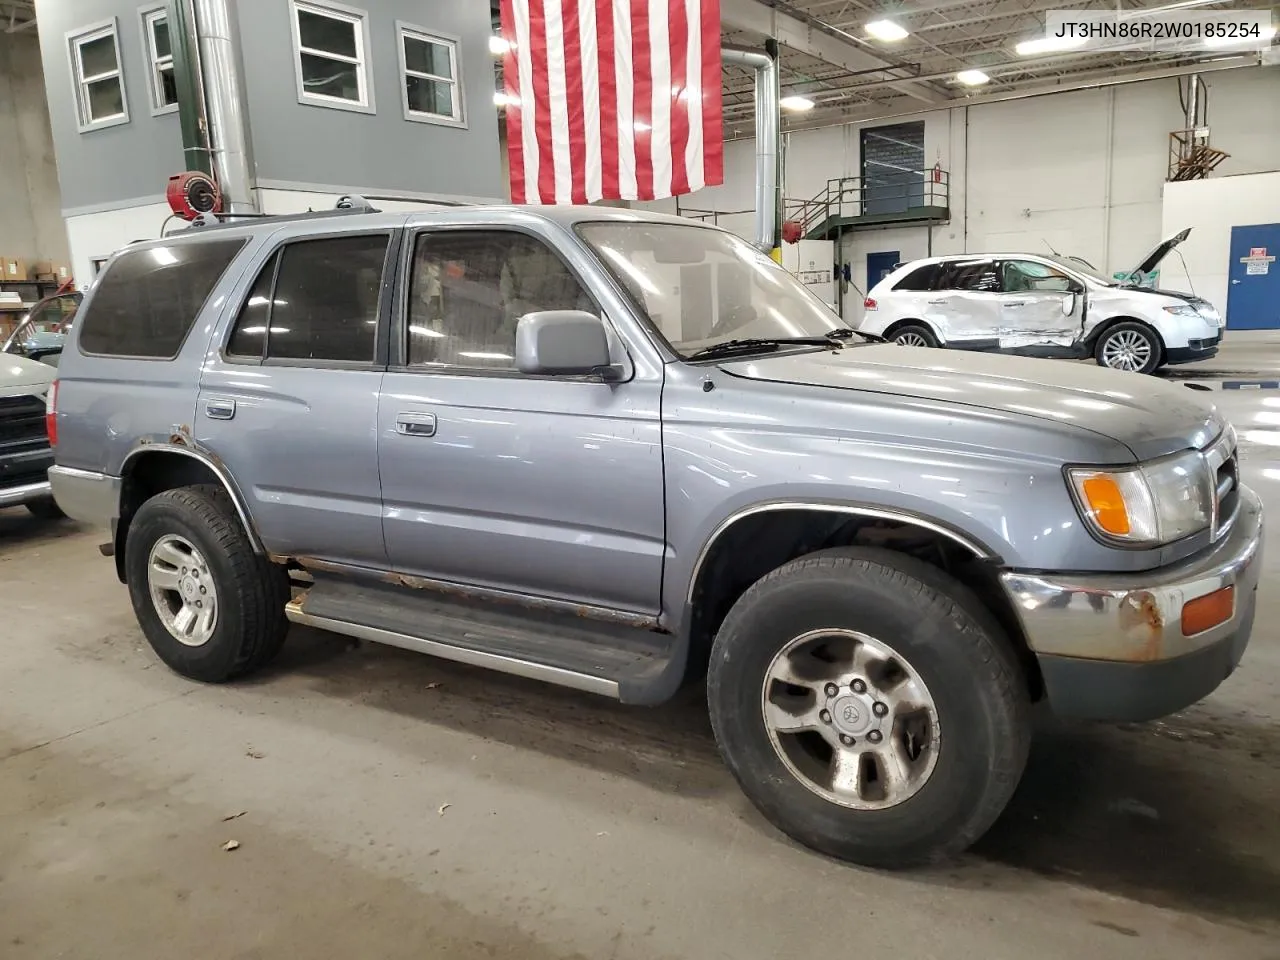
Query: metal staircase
(850, 203)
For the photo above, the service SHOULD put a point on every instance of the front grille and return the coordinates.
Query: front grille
(21, 422)
(1225, 466)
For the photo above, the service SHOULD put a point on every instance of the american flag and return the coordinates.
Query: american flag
(612, 99)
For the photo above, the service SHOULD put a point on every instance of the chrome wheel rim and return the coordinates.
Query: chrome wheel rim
(910, 340)
(851, 719)
(182, 590)
(1127, 350)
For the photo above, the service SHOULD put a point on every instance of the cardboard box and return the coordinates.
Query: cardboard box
(14, 268)
(41, 270)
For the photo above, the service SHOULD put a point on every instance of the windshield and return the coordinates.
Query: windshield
(701, 287)
(1082, 268)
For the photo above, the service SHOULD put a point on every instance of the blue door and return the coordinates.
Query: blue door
(880, 265)
(1253, 290)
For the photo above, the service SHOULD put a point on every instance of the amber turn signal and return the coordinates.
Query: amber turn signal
(1106, 503)
(1207, 612)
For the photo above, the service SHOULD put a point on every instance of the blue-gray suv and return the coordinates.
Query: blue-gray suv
(618, 451)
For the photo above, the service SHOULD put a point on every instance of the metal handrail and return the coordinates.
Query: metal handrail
(851, 196)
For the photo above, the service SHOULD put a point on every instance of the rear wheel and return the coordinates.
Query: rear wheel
(1129, 346)
(211, 608)
(869, 707)
(914, 335)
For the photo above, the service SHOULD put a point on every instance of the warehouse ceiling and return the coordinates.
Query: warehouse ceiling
(17, 15)
(829, 58)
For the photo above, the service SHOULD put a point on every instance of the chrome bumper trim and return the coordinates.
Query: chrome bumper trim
(1137, 618)
(86, 495)
(17, 496)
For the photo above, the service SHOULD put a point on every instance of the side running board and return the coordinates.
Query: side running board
(626, 663)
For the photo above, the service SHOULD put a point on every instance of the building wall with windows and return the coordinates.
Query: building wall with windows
(379, 97)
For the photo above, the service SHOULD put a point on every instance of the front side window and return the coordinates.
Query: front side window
(431, 86)
(149, 299)
(99, 84)
(164, 87)
(700, 287)
(330, 45)
(471, 287)
(319, 302)
(1030, 276)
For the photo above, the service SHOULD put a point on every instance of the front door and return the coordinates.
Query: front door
(290, 401)
(1253, 290)
(1037, 305)
(547, 486)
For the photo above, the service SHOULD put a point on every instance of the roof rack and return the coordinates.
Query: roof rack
(346, 205)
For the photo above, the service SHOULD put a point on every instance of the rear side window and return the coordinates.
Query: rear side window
(148, 300)
(315, 300)
(978, 275)
(921, 278)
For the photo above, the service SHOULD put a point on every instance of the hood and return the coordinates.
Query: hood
(1152, 417)
(1152, 259)
(20, 376)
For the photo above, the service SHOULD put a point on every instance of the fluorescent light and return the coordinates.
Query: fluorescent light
(1215, 42)
(886, 30)
(163, 256)
(502, 99)
(799, 104)
(1032, 48)
(498, 45)
(972, 78)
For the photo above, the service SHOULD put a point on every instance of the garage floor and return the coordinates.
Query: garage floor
(389, 805)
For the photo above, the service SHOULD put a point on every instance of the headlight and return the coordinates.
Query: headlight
(1183, 311)
(1152, 503)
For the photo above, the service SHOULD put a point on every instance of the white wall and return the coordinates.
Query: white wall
(1211, 208)
(1082, 171)
(98, 235)
(30, 203)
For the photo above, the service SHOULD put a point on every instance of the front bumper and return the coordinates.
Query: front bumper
(1204, 349)
(24, 476)
(1113, 648)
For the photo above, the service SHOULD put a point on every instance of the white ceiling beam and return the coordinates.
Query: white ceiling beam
(794, 33)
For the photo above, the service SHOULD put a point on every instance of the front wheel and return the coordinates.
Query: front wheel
(869, 707)
(1129, 346)
(914, 335)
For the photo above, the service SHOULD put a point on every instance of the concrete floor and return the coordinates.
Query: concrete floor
(389, 805)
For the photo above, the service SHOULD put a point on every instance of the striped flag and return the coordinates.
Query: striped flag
(612, 99)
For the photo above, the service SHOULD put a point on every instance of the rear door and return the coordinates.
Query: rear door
(965, 306)
(289, 397)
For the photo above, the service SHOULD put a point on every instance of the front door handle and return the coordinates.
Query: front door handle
(416, 424)
(1015, 303)
(937, 303)
(219, 408)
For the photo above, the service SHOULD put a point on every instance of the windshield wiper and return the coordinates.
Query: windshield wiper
(844, 333)
(759, 345)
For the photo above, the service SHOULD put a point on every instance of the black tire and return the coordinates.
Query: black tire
(909, 330)
(252, 592)
(954, 645)
(1129, 330)
(46, 509)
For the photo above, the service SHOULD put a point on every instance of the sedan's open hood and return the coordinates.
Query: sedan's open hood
(1150, 416)
(1152, 259)
(20, 376)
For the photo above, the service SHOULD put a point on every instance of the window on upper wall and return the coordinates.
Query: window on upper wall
(99, 83)
(429, 69)
(331, 55)
(164, 84)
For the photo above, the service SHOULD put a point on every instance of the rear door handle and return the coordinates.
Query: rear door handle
(1015, 303)
(219, 408)
(937, 303)
(416, 424)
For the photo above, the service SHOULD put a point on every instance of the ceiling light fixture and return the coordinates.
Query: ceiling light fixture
(886, 31)
(972, 78)
(1033, 48)
(498, 45)
(797, 103)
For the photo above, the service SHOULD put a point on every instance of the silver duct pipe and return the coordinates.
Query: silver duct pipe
(1192, 119)
(768, 140)
(225, 105)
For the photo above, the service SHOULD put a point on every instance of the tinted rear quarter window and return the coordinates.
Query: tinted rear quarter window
(980, 276)
(148, 301)
(921, 278)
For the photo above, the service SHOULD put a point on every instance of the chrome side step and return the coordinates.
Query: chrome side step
(478, 658)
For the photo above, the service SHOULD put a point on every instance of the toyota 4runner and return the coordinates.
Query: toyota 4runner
(617, 451)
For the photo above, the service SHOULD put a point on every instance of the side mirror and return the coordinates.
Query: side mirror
(563, 343)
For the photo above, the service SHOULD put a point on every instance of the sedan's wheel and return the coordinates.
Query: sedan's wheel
(1128, 346)
(914, 335)
(869, 706)
(851, 719)
(211, 608)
